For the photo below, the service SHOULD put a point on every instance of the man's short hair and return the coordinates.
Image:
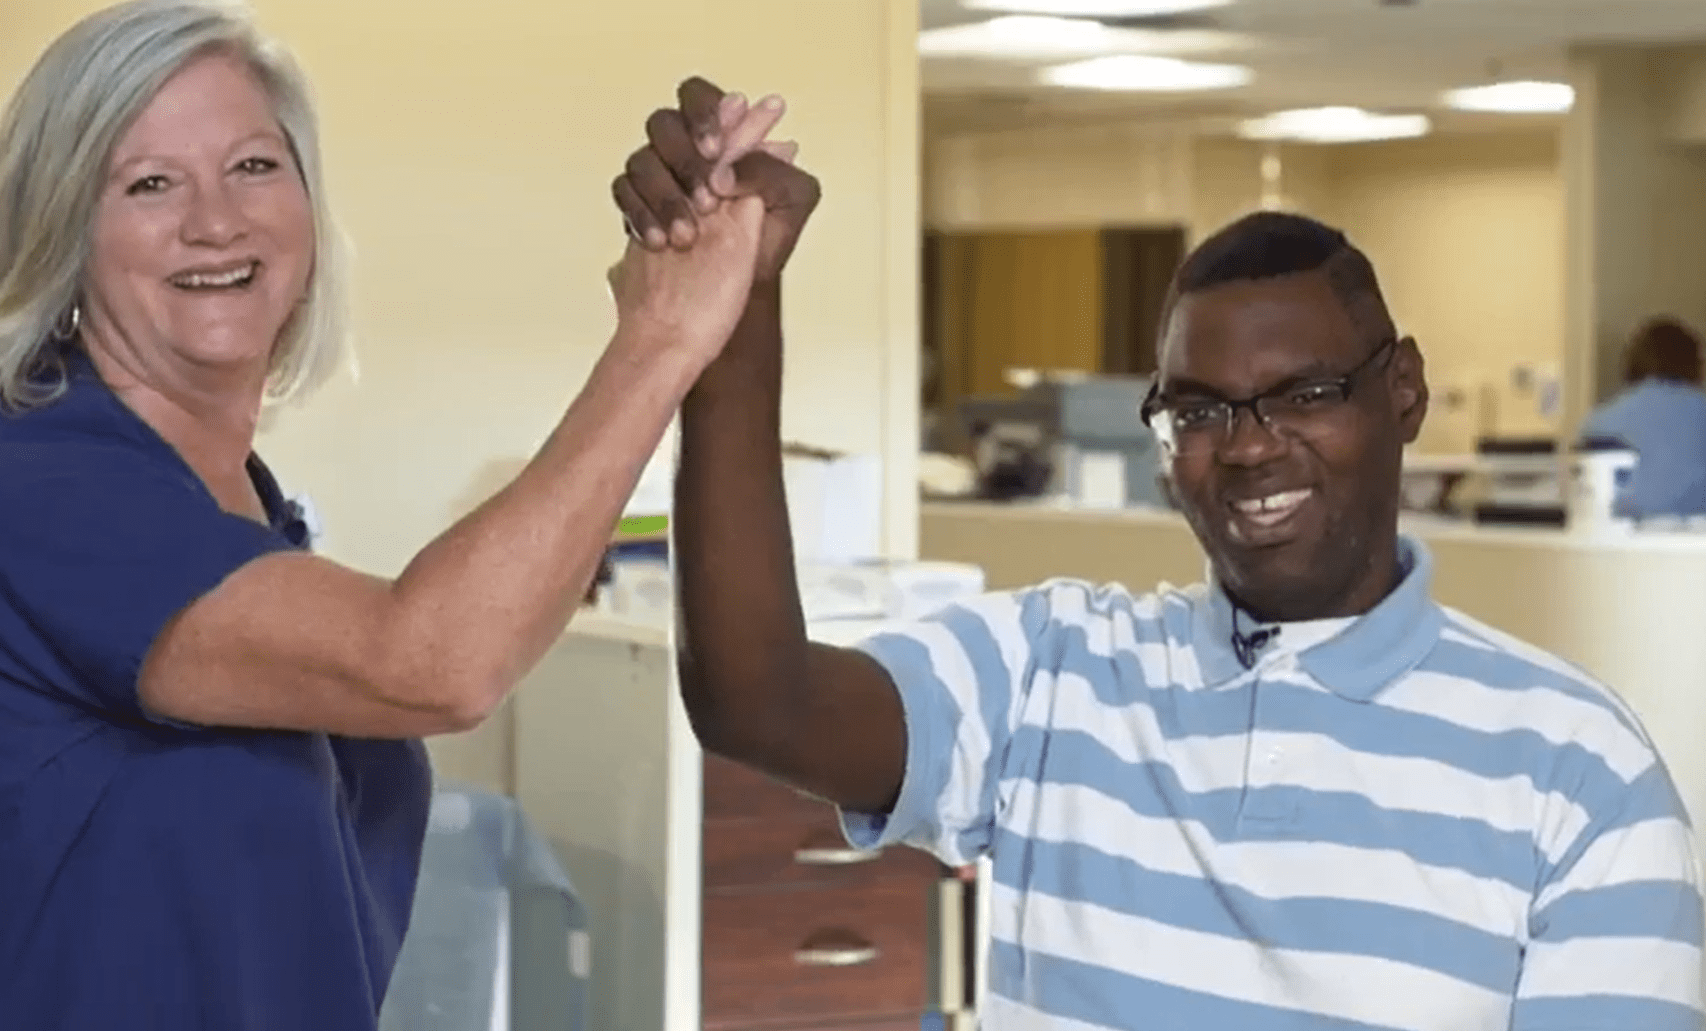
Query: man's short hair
(1272, 244)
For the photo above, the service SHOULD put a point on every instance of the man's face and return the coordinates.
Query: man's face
(1300, 520)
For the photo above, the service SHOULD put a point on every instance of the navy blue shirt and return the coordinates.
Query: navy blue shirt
(153, 875)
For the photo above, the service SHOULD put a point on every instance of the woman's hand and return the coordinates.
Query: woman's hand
(690, 299)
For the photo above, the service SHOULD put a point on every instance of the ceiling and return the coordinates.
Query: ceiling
(1379, 54)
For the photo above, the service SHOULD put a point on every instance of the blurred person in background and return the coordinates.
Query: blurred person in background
(1661, 415)
(212, 793)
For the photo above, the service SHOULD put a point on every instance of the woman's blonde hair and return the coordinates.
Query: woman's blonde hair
(56, 141)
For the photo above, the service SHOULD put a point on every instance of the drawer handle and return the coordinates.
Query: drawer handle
(835, 949)
(821, 850)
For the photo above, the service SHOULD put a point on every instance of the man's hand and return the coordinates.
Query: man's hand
(713, 148)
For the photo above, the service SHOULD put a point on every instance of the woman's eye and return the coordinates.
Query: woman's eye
(258, 166)
(147, 184)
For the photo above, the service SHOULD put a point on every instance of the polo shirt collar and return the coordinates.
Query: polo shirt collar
(1356, 663)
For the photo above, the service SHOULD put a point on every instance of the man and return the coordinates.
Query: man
(1661, 414)
(1301, 796)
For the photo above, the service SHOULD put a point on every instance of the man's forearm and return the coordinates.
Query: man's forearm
(743, 635)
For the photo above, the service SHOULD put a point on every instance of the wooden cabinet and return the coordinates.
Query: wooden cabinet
(719, 900)
(798, 928)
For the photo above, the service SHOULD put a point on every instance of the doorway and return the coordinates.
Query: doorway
(1086, 300)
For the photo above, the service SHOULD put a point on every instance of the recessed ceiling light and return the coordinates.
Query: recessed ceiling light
(1139, 73)
(1516, 98)
(1018, 36)
(1096, 8)
(1334, 125)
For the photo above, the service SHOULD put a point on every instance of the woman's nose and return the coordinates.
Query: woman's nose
(214, 218)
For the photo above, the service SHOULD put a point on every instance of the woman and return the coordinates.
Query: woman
(1661, 416)
(211, 796)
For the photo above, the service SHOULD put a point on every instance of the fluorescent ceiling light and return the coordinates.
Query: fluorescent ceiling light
(1333, 125)
(1018, 36)
(1039, 37)
(1095, 8)
(1516, 98)
(1145, 74)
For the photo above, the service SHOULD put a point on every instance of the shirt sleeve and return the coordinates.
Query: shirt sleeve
(962, 675)
(1615, 929)
(99, 549)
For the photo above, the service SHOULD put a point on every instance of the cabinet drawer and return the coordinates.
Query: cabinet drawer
(910, 1022)
(784, 959)
(733, 790)
(797, 852)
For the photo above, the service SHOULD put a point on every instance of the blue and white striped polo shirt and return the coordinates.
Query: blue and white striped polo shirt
(1405, 820)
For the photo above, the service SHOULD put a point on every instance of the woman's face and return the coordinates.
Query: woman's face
(204, 236)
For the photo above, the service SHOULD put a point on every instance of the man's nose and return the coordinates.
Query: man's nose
(1249, 439)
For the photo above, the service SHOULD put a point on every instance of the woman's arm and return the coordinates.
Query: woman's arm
(293, 641)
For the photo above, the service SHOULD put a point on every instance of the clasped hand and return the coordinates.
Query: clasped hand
(712, 206)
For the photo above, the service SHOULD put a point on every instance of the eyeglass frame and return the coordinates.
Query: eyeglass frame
(1343, 383)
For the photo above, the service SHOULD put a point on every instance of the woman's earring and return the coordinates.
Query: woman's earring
(67, 324)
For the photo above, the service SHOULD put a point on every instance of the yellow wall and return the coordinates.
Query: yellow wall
(1467, 233)
(470, 151)
(1227, 181)
(1637, 201)
(1066, 176)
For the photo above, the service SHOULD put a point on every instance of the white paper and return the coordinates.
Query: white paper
(834, 508)
(655, 493)
(1101, 479)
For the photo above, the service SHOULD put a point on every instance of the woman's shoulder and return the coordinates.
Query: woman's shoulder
(85, 482)
(83, 430)
(31, 461)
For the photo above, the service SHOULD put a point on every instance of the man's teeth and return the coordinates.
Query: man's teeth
(211, 281)
(1280, 502)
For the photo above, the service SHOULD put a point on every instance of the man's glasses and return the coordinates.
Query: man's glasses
(1299, 409)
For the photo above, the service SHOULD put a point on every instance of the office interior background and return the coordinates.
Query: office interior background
(1007, 188)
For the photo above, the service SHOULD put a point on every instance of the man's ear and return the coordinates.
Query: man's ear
(1409, 385)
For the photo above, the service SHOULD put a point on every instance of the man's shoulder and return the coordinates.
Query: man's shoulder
(1059, 621)
(1548, 695)
(1103, 615)
(1078, 600)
